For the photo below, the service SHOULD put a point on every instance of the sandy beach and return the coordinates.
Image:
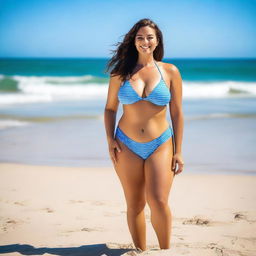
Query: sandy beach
(82, 211)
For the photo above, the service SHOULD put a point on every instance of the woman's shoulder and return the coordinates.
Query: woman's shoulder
(171, 71)
(115, 81)
(116, 78)
(168, 67)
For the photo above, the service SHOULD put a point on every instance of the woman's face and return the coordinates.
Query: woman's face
(146, 40)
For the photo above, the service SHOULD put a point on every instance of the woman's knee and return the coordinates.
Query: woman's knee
(157, 202)
(136, 206)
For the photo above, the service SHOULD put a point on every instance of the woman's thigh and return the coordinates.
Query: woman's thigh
(159, 174)
(130, 170)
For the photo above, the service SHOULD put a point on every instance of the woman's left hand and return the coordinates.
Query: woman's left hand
(177, 159)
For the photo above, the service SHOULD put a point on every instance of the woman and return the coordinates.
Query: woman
(144, 156)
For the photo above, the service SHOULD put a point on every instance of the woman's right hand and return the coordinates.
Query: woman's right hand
(113, 147)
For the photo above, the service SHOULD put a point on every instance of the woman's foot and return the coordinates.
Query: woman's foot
(138, 250)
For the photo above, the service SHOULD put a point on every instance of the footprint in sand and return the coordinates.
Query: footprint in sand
(238, 216)
(75, 201)
(84, 229)
(93, 229)
(197, 221)
(244, 242)
(19, 203)
(218, 249)
(47, 209)
(11, 223)
(88, 229)
(97, 203)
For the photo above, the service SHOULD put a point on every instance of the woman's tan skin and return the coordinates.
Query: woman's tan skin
(147, 180)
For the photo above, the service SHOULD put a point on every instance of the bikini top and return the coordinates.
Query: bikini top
(160, 95)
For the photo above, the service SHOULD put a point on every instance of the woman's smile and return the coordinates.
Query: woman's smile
(145, 47)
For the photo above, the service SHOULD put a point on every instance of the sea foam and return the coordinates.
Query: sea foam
(31, 89)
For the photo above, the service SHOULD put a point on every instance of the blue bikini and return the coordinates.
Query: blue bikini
(159, 96)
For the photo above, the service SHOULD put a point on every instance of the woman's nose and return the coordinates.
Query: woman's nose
(145, 40)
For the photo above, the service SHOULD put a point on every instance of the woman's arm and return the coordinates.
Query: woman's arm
(176, 107)
(176, 114)
(111, 108)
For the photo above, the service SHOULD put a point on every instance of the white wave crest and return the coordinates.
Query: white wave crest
(11, 123)
(49, 79)
(219, 89)
(43, 89)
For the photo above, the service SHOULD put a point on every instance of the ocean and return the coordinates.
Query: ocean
(51, 113)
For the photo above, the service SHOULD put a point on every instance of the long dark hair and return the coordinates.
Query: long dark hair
(126, 55)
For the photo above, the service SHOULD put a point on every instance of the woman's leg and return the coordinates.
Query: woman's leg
(159, 177)
(130, 171)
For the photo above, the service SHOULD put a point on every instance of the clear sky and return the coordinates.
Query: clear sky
(81, 28)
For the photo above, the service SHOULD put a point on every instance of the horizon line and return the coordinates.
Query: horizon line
(30, 57)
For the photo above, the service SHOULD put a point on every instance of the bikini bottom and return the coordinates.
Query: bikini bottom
(143, 149)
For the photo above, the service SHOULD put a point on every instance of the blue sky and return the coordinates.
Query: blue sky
(76, 28)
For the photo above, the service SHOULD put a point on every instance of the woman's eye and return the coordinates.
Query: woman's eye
(149, 38)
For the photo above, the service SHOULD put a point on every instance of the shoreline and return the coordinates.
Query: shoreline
(209, 145)
(83, 210)
(110, 167)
